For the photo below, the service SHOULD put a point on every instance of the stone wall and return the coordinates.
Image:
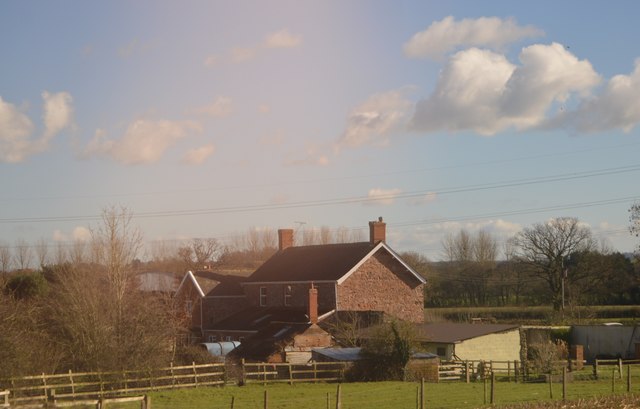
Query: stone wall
(383, 284)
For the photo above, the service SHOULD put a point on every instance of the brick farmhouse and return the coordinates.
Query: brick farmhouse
(282, 302)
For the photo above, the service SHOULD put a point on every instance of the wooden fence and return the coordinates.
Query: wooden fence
(290, 373)
(104, 384)
(512, 370)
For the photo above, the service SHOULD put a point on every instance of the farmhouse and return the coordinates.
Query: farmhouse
(455, 341)
(282, 302)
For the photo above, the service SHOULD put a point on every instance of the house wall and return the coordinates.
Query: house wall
(188, 295)
(383, 284)
(218, 308)
(504, 346)
(299, 295)
(444, 351)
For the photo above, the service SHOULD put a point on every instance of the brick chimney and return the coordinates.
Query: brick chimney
(285, 238)
(377, 231)
(313, 305)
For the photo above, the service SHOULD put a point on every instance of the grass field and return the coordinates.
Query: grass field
(382, 395)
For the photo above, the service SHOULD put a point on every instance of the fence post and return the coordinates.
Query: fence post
(628, 378)
(466, 370)
(290, 375)
(595, 368)
(493, 387)
(266, 399)
(339, 397)
(515, 370)
(233, 402)
(195, 373)
(328, 400)
(73, 387)
(102, 403)
(620, 368)
(244, 376)
(484, 383)
(147, 402)
(564, 384)
(550, 385)
(613, 380)
(422, 393)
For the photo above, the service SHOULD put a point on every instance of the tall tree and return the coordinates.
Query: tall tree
(545, 247)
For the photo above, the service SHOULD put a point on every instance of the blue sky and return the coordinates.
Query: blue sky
(209, 118)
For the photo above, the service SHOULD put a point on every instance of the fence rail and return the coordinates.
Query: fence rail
(513, 370)
(292, 373)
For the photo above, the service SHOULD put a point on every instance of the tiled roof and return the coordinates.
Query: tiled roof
(257, 318)
(452, 333)
(269, 340)
(327, 262)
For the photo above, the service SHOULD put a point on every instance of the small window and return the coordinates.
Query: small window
(442, 351)
(213, 338)
(188, 306)
(228, 339)
(287, 296)
(263, 296)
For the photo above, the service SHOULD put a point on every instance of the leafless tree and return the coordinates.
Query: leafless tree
(269, 239)
(42, 252)
(60, 255)
(309, 237)
(325, 235)
(544, 247)
(23, 254)
(117, 242)
(5, 257)
(342, 235)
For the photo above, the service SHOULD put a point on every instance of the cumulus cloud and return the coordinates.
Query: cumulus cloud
(198, 155)
(382, 197)
(16, 129)
(617, 106)
(373, 121)
(447, 35)
(79, 233)
(58, 112)
(222, 107)
(144, 141)
(282, 39)
(481, 90)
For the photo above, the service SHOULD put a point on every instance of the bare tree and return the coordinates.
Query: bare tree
(5, 257)
(325, 235)
(117, 243)
(544, 247)
(42, 251)
(269, 239)
(342, 235)
(23, 254)
(78, 251)
(60, 255)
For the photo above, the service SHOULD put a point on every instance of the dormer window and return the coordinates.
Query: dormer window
(263, 296)
(287, 296)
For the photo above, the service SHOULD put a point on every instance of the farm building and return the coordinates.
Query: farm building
(360, 277)
(453, 341)
(607, 341)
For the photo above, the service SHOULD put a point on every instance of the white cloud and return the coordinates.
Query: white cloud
(243, 54)
(382, 197)
(482, 91)
(423, 200)
(15, 130)
(81, 233)
(198, 155)
(144, 141)
(373, 121)
(58, 112)
(447, 35)
(283, 39)
(222, 107)
(618, 106)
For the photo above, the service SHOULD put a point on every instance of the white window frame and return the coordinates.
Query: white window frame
(287, 295)
(263, 296)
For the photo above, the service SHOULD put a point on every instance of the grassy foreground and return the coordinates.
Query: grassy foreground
(383, 395)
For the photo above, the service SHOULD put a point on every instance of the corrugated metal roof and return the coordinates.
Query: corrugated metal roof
(452, 333)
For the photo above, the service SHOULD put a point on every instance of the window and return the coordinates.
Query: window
(441, 352)
(263, 296)
(228, 339)
(188, 306)
(287, 296)
(213, 338)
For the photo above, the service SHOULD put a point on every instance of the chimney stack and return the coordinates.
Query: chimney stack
(313, 305)
(377, 231)
(285, 238)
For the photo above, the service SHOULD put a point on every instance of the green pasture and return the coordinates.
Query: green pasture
(382, 395)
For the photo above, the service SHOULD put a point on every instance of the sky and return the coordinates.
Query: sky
(213, 118)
